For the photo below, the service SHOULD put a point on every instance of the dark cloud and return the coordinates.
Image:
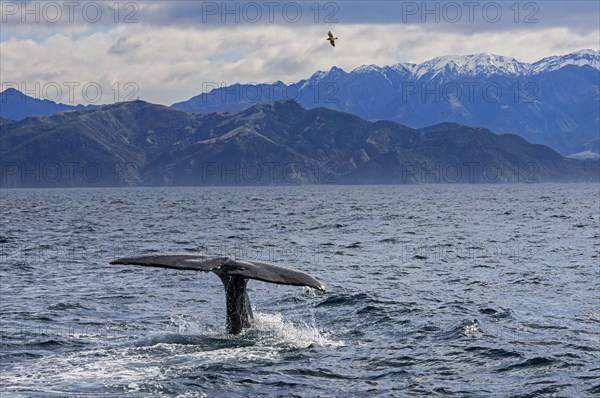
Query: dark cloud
(475, 15)
(123, 46)
(463, 16)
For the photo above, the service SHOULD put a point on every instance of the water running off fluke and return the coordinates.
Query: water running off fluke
(234, 274)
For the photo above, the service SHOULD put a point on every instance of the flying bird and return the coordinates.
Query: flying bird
(331, 38)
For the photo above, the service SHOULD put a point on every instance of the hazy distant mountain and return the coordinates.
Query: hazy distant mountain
(555, 101)
(5, 121)
(17, 106)
(137, 143)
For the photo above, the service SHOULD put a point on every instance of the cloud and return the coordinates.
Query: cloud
(123, 46)
(444, 15)
(166, 63)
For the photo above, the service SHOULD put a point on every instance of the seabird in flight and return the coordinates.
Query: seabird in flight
(331, 38)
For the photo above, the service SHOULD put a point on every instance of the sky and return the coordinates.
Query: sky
(169, 51)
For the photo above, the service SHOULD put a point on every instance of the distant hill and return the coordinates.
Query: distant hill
(138, 143)
(555, 101)
(5, 121)
(17, 106)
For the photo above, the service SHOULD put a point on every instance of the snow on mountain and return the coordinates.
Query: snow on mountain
(474, 65)
(483, 65)
(579, 58)
(546, 110)
(471, 65)
(367, 69)
(405, 68)
(585, 155)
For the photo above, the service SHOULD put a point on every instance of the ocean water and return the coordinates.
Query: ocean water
(464, 290)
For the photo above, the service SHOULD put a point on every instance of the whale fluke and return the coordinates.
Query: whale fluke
(234, 273)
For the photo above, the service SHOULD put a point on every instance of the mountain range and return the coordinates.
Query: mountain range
(15, 105)
(554, 101)
(138, 143)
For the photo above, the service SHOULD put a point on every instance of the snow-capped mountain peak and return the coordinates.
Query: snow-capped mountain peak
(404, 68)
(318, 75)
(450, 67)
(486, 65)
(579, 58)
(367, 69)
(471, 65)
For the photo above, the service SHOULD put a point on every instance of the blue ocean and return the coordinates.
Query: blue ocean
(433, 290)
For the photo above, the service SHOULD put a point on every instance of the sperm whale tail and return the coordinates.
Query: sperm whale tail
(234, 273)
